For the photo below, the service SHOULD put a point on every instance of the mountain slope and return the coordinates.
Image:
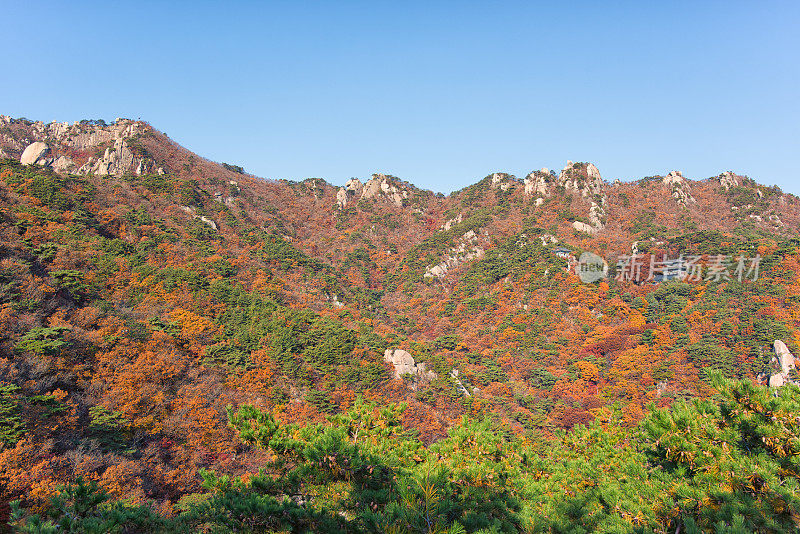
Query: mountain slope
(144, 288)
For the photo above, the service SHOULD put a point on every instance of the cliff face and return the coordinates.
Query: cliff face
(80, 148)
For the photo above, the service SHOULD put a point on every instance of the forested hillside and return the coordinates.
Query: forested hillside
(188, 347)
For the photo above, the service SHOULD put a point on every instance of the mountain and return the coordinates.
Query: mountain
(144, 289)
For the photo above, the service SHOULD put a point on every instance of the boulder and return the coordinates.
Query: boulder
(583, 227)
(33, 153)
(402, 361)
(785, 360)
(404, 364)
(776, 380)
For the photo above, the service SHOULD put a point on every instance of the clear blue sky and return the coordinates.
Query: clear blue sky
(437, 93)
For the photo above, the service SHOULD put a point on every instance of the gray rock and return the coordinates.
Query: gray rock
(728, 180)
(63, 164)
(459, 386)
(208, 221)
(680, 187)
(785, 361)
(402, 361)
(674, 178)
(404, 364)
(341, 197)
(583, 227)
(581, 178)
(354, 185)
(33, 153)
(785, 358)
(538, 183)
(382, 185)
(501, 180)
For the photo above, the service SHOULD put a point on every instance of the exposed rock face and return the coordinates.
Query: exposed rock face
(351, 189)
(728, 180)
(776, 220)
(202, 218)
(681, 191)
(502, 181)
(583, 227)
(548, 239)
(341, 197)
(354, 185)
(674, 178)
(404, 364)
(402, 361)
(459, 386)
(33, 153)
(208, 221)
(449, 224)
(60, 144)
(785, 360)
(539, 183)
(467, 249)
(581, 178)
(379, 185)
(597, 216)
(382, 185)
(63, 164)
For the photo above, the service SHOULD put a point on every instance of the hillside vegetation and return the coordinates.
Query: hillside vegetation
(186, 347)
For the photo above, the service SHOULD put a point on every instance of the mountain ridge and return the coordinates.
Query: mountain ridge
(42, 130)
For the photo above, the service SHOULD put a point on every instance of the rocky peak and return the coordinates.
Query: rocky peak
(63, 146)
(34, 153)
(385, 186)
(354, 185)
(538, 183)
(581, 178)
(379, 186)
(674, 178)
(728, 180)
(352, 188)
(681, 191)
(502, 181)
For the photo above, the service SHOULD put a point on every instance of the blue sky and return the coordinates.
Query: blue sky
(437, 93)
